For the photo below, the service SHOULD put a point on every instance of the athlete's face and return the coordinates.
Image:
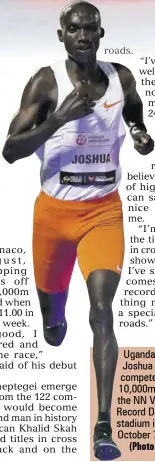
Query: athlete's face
(81, 33)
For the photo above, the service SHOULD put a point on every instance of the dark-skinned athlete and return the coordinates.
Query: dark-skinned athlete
(72, 116)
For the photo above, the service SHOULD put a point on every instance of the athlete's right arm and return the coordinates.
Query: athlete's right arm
(23, 139)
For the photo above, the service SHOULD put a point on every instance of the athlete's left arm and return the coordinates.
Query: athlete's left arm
(133, 111)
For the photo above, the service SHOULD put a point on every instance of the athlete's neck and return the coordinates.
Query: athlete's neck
(84, 71)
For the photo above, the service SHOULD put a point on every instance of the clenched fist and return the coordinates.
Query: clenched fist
(143, 142)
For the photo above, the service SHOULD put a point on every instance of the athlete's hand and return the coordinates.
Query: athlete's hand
(75, 106)
(143, 142)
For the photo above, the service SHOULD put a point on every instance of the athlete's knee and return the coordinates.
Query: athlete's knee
(52, 299)
(52, 306)
(101, 314)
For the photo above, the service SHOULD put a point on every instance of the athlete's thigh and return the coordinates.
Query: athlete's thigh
(102, 248)
(53, 255)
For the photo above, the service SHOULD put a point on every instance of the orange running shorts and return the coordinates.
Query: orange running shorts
(90, 230)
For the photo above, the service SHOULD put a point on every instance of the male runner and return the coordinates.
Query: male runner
(72, 116)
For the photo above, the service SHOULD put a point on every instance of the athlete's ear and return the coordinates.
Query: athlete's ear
(102, 32)
(59, 32)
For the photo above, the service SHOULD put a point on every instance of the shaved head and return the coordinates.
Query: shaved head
(81, 30)
(73, 6)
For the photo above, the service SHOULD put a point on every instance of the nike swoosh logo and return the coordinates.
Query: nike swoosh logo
(107, 106)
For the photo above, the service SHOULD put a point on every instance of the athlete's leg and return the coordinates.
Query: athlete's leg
(53, 313)
(54, 259)
(102, 285)
(56, 302)
(100, 255)
(53, 266)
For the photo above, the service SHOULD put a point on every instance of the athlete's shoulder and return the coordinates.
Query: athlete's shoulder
(40, 84)
(46, 74)
(43, 74)
(125, 75)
